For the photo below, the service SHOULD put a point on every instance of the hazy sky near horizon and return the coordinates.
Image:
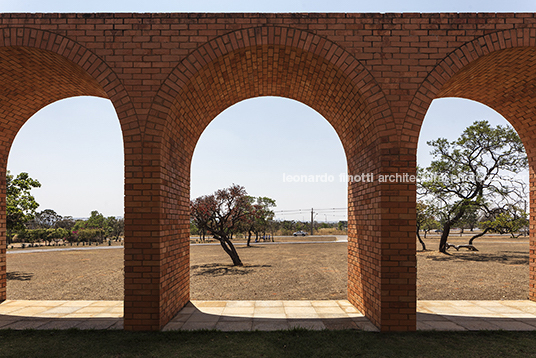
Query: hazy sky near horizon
(74, 146)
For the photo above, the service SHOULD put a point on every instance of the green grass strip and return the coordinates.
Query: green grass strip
(294, 343)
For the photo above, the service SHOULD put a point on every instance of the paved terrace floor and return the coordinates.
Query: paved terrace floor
(270, 315)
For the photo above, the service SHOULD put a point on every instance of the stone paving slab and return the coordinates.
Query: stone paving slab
(270, 315)
(28, 314)
(476, 315)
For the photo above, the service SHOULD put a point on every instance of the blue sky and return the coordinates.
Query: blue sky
(74, 146)
(266, 6)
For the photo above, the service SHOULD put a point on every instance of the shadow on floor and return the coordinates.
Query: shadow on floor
(213, 270)
(30, 322)
(269, 316)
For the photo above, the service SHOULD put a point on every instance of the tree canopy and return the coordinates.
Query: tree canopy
(20, 203)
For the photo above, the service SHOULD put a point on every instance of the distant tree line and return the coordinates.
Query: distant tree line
(24, 224)
(49, 228)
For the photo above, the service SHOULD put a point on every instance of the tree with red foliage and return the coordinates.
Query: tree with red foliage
(221, 214)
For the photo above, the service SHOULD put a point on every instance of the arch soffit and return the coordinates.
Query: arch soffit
(93, 65)
(455, 62)
(308, 42)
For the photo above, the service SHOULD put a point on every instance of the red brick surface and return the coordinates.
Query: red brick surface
(372, 76)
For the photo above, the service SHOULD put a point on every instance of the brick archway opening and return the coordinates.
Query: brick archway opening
(264, 141)
(504, 81)
(74, 148)
(277, 70)
(447, 118)
(31, 79)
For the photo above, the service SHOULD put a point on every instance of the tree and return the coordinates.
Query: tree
(248, 223)
(425, 220)
(469, 220)
(89, 235)
(20, 204)
(509, 220)
(96, 221)
(342, 225)
(199, 219)
(96, 227)
(194, 230)
(115, 227)
(258, 216)
(46, 219)
(221, 215)
(66, 222)
(264, 214)
(472, 171)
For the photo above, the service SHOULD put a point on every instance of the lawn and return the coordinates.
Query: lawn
(295, 343)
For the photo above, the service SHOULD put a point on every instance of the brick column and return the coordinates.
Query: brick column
(381, 238)
(157, 265)
(142, 239)
(3, 277)
(532, 227)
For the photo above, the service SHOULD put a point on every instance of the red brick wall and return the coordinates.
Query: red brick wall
(372, 76)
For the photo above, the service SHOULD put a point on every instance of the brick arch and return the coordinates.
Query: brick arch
(455, 75)
(51, 67)
(296, 65)
(498, 70)
(281, 37)
(271, 71)
(504, 80)
(39, 68)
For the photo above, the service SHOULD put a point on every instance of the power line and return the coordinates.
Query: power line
(332, 212)
(307, 210)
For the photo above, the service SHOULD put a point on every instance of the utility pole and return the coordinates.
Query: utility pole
(312, 221)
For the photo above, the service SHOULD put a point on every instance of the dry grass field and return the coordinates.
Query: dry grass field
(282, 271)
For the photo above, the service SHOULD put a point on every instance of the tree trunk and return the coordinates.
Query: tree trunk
(229, 248)
(446, 230)
(422, 242)
(249, 239)
(444, 237)
(478, 235)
